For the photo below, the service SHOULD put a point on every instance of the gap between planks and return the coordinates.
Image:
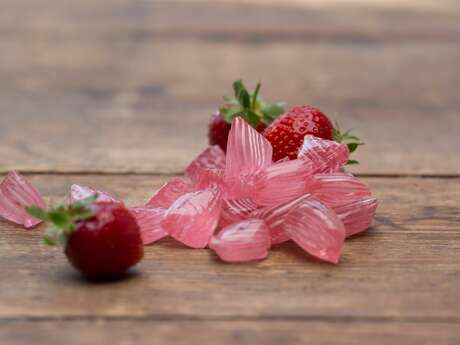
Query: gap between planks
(236, 318)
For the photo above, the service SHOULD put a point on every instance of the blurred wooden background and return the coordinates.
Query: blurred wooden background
(117, 94)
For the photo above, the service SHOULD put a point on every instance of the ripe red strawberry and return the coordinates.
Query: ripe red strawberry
(218, 130)
(247, 105)
(287, 132)
(100, 238)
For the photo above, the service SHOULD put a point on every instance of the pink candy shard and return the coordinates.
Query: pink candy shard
(358, 215)
(17, 193)
(247, 240)
(211, 158)
(275, 217)
(78, 192)
(338, 189)
(282, 182)
(170, 191)
(248, 155)
(248, 152)
(316, 229)
(193, 217)
(236, 210)
(212, 177)
(327, 156)
(149, 221)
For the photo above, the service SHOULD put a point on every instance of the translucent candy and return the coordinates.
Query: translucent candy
(170, 191)
(211, 158)
(310, 200)
(236, 210)
(358, 215)
(248, 155)
(338, 189)
(282, 182)
(79, 192)
(215, 177)
(17, 193)
(316, 229)
(247, 240)
(327, 156)
(193, 218)
(149, 221)
(247, 150)
(275, 217)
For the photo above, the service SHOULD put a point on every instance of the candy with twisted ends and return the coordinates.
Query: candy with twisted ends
(17, 193)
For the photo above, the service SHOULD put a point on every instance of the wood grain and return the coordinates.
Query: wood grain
(405, 269)
(248, 21)
(225, 332)
(119, 92)
(131, 91)
(154, 119)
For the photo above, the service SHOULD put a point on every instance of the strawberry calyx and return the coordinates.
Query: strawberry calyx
(351, 140)
(63, 219)
(250, 106)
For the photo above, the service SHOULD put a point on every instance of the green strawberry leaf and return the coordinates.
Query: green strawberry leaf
(37, 212)
(238, 86)
(244, 98)
(252, 117)
(63, 219)
(250, 106)
(353, 146)
(230, 113)
(274, 110)
(60, 217)
(231, 100)
(352, 141)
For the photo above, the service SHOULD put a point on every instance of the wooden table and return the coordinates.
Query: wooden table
(116, 94)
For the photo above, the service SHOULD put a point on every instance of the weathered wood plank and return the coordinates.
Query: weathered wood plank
(406, 268)
(126, 86)
(143, 106)
(237, 20)
(226, 333)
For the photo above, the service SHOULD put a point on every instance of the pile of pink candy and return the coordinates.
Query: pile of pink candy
(241, 203)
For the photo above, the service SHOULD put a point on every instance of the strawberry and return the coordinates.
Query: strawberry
(218, 130)
(100, 238)
(247, 105)
(287, 132)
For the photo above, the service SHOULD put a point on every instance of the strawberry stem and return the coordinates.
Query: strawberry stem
(255, 97)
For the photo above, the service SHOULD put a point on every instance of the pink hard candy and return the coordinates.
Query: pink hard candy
(327, 156)
(79, 192)
(248, 155)
(275, 216)
(357, 215)
(316, 229)
(338, 189)
(211, 158)
(193, 217)
(149, 221)
(247, 240)
(236, 210)
(17, 193)
(170, 191)
(212, 177)
(282, 182)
